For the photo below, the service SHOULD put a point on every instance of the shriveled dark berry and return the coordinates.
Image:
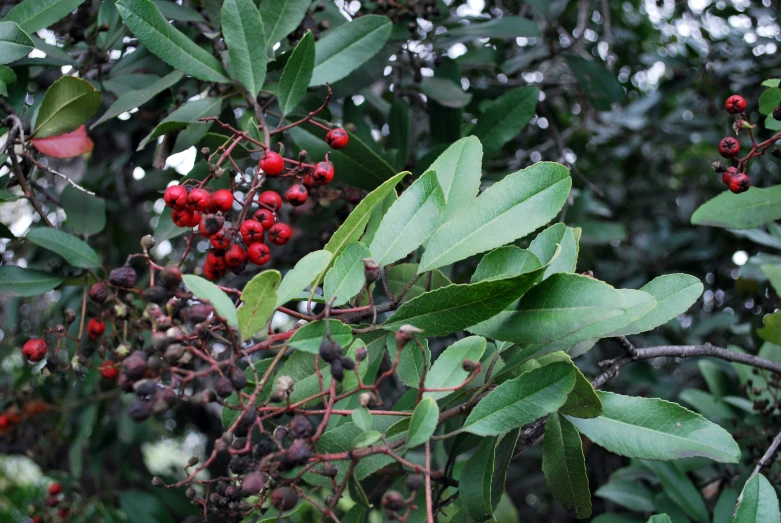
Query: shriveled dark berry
(171, 276)
(329, 350)
(157, 294)
(139, 409)
(393, 501)
(232, 493)
(284, 499)
(263, 448)
(134, 366)
(239, 443)
(240, 465)
(98, 292)
(145, 388)
(238, 378)
(298, 453)
(124, 277)
(224, 387)
(300, 427)
(469, 365)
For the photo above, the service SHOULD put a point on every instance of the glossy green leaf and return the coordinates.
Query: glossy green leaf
(138, 97)
(76, 252)
(280, 17)
(474, 486)
(412, 360)
(146, 22)
(546, 244)
(401, 274)
(444, 92)
(18, 281)
(345, 279)
(651, 428)
(508, 210)
(423, 423)
(522, 400)
(344, 49)
(32, 15)
(505, 27)
(260, 299)
(244, 35)
(447, 370)
(67, 104)
(86, 213)
(300, 276)
(600, 85)
(564, 466)
(297, 74)
(410, 221)
(14, 43)
(188, 114)
(505, 118)
(760, 502)
(747, 210)
(309, 337)
(205, 290)
(627, 493)
(174, 11)
(582, 401)
(458, 171)
(505, 262)
(679, 488)
(362, 418)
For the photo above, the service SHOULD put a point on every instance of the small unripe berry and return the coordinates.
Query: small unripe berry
(735, 104)
(235, 256)
(739, 183)
(175, 197)
(222, 200)
(323, 173)
(393, 501)
(259, 253)
(371, 270)
(360, 354)
(221, 239)
(210, 224)
(124, 277)
(469, 365)
(98, 292)
(34, 350)
(284, 499)
(279, 233)
(95, 328)
(297, 195)
(265, 217)
(272, 163)
(337, 138)
(729, 147)
(251, 232)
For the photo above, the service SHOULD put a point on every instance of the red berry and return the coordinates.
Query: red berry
(185, 217)
(200, 199)
(210, 224)
(279, 233)
(729, 147)
(217, 260)
(36, 519)
(265, 217)
(108, 371)
(324, 173)
(251, 232)
(175, 197)
(5, 422)
(34, 350)
(271, 199)
(211, 273)
(221, 239)
(739, 183)
(308, 180)
(55, 489)
(272, 163)
(63, 512)
(727, 175)
(235, 256)
(95, 328)
(222, 200)
(259, 253)
(735, 104)
(297, 195)
(337, 138)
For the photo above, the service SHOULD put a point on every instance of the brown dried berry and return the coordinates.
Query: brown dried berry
(124, 277)
(284, 499)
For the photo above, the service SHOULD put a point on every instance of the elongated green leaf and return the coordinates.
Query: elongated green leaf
(508, 210)
(423, 423)
(680, 489)
(297, 74)
(137, 98)
(505, 262)
(651, 428)
(747, 210)
(260, 299)
(458, 172)
(410, 221)
(7, 76)
(75, 251)
(760, 502)
(309, 337)
(522, 400)
(447, 370)
(345, 279)
(582, 401)
(280, 17)
(207, 291)
(400, 275)
(344, 49)
(565, 467)
(629, 494)
(455, 307)
(32, 15)
(445, 92)
(243, 31)
(674, 294)
(600, 85)
(505, 27)
(545, 245)
(474, 486)
(413, 361)
(14, 43)
(187, 114)
(144, 19)
(505, 118)
(363, 418)
(304, 273)
(67, 104)
(725, 506)
(86, 213)
(17, 281)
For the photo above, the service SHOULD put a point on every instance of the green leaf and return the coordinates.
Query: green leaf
(366, 439)
(142, 507)
(345, 279)
(773, 273)
(413, 361)
(505, 450)
(508, 210)
(651, 428)
(7, 79)
(582, 401)
(260, 299)
(600, 85)
(769, 100)
(456, 307)
(14, 43)
(205, 290)
(474, 486)
(86, 213)
(138, 97)
(75, 251)
(680, 489)
(564, 466)
(771, 331)
(399, 128)
(67, 104)
(32, 15)
(423, 423)
(522, 400)
(505, 27)
(309, 337)
(445, 92)
(400, 275)
(362, 419)
(376, 217)
(505, 118)
(17, 281)
(447, 370)
(344, 49)
(297, 74)
(242, 29)
(505, 262)
(659, 518)
(280, 17)
(187, 114)
(458, 172)
(674, 294)
(547, 243)
(300, 276)
(629, 494)
(747, 210)
(174, 11)
(144, 19)
(410, 221)
(725, 506)
(760, 502)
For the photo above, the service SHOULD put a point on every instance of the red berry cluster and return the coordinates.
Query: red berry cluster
(54, 500)
(734, 177)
